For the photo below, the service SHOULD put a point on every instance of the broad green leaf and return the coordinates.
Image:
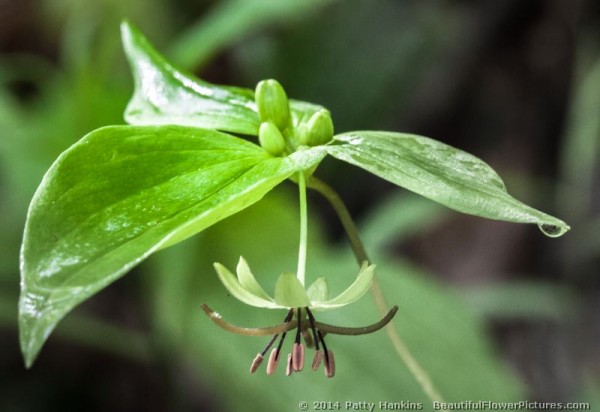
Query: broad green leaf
(441, 173)
(289, 292)
(120, 194)
(165, 95)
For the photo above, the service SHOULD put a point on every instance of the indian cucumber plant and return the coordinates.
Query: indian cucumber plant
(124, 192)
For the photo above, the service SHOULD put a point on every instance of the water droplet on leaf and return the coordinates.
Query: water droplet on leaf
(553, 230)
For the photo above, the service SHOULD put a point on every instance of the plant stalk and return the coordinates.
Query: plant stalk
(303, 229)
(360, 253)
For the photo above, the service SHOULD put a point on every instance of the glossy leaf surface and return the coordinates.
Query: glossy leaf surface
(122, 193)
(441, 173)
(165, 95)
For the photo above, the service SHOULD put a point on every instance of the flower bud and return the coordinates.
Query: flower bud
(272, 103)
(318, 130)
(270, 138)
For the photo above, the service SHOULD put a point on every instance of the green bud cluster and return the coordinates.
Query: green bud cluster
(274, 113)
(272, 103)
(318, 130)
(271, 139)
(276, 132)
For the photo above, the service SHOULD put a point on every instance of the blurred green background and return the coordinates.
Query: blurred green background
(492, 310)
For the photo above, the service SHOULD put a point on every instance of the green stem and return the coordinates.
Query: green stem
(360, 253)
(303, 229)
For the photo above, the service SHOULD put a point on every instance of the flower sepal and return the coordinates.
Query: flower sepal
(289, 291)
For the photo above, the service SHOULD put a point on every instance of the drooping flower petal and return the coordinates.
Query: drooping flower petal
(290, 293)
(248, 281)
(318, 291)
(354, 292)
(238, 291)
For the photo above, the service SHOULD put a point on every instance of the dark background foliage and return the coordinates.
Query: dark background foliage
(516, 83)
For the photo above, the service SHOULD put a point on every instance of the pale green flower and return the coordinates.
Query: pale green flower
(289, 292)
(291, 295)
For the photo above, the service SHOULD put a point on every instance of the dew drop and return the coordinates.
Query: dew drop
(553, 230)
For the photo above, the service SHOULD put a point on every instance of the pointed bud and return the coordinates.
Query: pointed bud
(273, 361)
(317, 360)
(272, 103)
(298, 356)
(289, 369)
(318, 130)
(270, 138)
(329, 364)
(256, 363)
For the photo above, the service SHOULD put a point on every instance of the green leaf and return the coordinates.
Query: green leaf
(165, 95)
(441, 173)
(120, 194)
(290, 293)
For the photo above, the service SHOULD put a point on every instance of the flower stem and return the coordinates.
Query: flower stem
(360, 253)
(303, 229)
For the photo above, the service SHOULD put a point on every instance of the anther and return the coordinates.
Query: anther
(298, 348)
(289, 369)
(256, 362)
(329, 364)
(317, 360)
(273, 360)
(298, 356)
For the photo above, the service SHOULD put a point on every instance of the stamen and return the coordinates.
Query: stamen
(274, 357)
(299, 328)
(329, 364)
(271, 341)
(288, 317)
(298, 356)
(318, 336)
(317, 360)
(289, 369)
(298, 348)
(311, 320)
(256, 362)
(328, 356)
(273, 360)
(286, 320)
